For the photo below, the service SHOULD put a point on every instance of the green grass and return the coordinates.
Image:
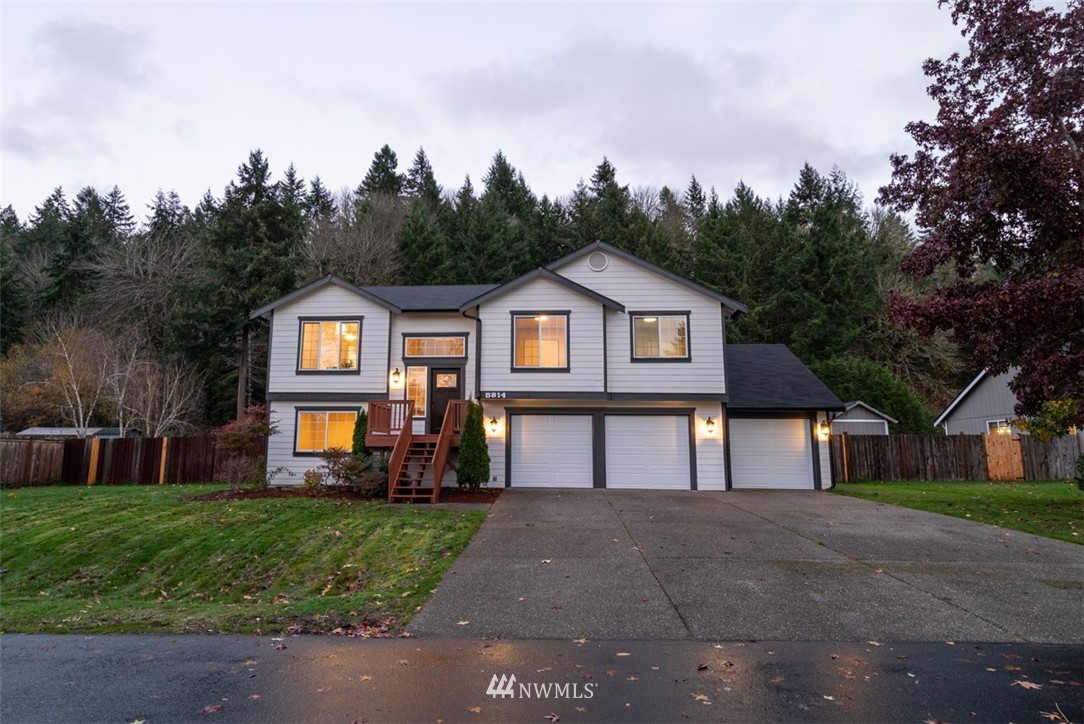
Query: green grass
(1054, 509)
(148, 558)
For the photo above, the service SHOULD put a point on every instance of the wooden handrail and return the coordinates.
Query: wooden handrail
(454, 416)
(398, 453)
(387, 416)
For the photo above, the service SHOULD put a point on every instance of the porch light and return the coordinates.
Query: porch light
(824, 430)
(493, 424)
(396, 377)
(710, 425)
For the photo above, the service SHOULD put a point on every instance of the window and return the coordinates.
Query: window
(329, 346)
(435, 347)
(998, 427)
(660, 336)
(541, 341)
(321, 430)
(416, 384)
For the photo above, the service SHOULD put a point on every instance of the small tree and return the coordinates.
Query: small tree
(361, 427)
(238, 442)
(473, 450)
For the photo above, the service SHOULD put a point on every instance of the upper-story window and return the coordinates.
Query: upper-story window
(329, 345)
(434, 346)
(541, 341)
(660, 336)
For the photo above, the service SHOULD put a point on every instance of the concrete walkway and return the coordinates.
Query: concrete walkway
(776, 566)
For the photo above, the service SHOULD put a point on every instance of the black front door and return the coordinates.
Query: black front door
(445, 384)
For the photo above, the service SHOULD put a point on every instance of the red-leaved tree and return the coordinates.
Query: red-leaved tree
(998, 180)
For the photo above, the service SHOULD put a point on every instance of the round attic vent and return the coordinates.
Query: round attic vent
(597, 261)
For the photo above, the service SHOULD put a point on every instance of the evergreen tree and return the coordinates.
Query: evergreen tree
(420, 183)
(473, 450)
(383, 176)
(861, 379)
(14, 300)
(118, 215)
(167, 214)
(421, 245)
(84, 232)
(361, 428)
(695, 204)
(675, 225)
(319, 203)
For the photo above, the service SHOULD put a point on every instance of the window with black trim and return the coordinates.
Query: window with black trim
(541, 341)
(320, 430)
(435, 347)
(660, 336)
(329, 345)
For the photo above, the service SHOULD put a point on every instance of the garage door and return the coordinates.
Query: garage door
(551, 451)
(647, 451)
(771, 453)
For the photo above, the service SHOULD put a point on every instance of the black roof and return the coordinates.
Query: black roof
(431, 298)
(770, 377)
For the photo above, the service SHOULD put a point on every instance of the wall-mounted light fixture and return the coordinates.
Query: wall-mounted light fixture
(824, 430)
(710, 425)
(493, 424)
(396, 377)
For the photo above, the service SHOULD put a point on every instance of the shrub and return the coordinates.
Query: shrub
(473, 450)
(239, 446)
(361, 427)
(343, 469)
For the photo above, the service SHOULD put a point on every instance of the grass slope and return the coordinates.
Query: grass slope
(1054, 509)
(150, 559)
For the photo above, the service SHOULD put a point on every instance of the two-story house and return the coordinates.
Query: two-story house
(599, 370)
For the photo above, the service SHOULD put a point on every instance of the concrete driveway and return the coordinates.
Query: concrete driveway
(802, 566)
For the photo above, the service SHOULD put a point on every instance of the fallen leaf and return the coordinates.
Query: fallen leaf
(474, 709)
(702, 667)
(461, 623)
(551, 716)
(253, 696)
(1013, 668)
(322, 689)
(829, 698)
(1026, 684)
(548, 560)
(623, 653)
(579, 641)
(280, 647)
(701, 697)
(874, 643)
(654, 668)
(1058, 716)
(365, 677)
(250, 662)
(210, 709)
(611, 672)
(581, 709)
(633, 678)
(777, 679)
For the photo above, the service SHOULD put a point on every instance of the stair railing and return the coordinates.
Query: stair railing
(399, 451)
(454, 416)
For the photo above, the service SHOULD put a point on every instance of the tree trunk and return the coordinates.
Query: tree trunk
(242, 376)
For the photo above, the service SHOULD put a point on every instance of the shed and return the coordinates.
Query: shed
(858, 418)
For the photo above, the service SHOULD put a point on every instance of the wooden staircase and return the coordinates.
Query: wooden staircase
(413, 456)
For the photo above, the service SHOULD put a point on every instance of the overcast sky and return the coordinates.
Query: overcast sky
(175, 95)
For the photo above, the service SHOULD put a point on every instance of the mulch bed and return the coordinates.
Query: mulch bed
(484, 496)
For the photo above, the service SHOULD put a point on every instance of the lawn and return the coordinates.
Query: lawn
(148, 558)
(1054, 509)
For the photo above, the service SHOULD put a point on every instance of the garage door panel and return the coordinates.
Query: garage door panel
(771, 453)
(647, 451)
(551, 451)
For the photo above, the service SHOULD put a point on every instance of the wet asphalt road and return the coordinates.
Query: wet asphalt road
(128, 678)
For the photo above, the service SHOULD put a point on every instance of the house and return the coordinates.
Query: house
(598, 370)
(858, 418)
(985, 406)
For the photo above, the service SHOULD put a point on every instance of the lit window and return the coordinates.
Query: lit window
(436, 346)
(319, 431)
(998, 427)
(416, 384)
(330, 346)
(658, 336)
(542, 341)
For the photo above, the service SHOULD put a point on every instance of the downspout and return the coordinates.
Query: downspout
(477, 355)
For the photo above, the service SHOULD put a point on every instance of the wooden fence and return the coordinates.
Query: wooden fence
(113, 461)
(956, 457)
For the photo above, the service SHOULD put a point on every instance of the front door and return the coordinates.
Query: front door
(445, 384)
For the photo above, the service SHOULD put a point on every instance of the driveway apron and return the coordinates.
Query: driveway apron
(771, 565)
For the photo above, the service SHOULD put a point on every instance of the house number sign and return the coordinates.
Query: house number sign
(494, 395)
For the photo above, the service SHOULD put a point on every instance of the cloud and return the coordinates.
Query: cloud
(86, 73)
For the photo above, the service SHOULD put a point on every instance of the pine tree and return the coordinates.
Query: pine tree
(14, 300)
(383, 176)
(421, 245)
(167, 214)
(420, 183)
(695, 203)
(319, 203)
(361, 428)
(473, 450)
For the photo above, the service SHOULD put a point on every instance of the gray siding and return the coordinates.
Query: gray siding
(859, 421)
(990, 399)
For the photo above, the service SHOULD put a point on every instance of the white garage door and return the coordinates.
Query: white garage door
(551, 451)
(647, 451)
(771, 453)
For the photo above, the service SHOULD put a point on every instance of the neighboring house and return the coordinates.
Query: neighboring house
(63, 433)
(858, 418)
(984, 406)
(598, 370)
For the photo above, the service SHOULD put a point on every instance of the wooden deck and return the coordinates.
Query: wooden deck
(413, 457)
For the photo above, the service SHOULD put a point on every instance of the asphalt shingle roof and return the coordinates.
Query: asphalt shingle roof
(770, 377)
(432, 298)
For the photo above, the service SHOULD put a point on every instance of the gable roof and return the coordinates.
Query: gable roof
(431, 298)
(959, 398)
(314, 285)
(542, 273)
(770, 377)
(848, 406)
(736, 306)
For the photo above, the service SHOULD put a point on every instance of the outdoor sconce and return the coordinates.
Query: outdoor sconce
(824, 430)
(396, 377)
(710, 425)
(493, 423)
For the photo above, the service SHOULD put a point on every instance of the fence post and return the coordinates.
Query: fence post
(92, 473)
(843, 450)
(162, 462)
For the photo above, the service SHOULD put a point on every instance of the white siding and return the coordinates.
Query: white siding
(584, 345)
(281, 462)
(640, 289)
(824, 449)
(329, 301)
(451, 324)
